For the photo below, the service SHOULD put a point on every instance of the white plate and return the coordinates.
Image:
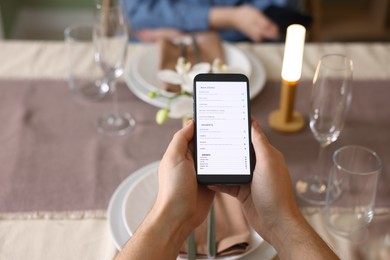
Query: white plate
(141, 72)
(118, 227)
(140, 198)
(116, 222)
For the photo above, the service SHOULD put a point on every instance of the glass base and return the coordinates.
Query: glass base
(115, 124)
(312, 189)
(90, 90)
(348, 222)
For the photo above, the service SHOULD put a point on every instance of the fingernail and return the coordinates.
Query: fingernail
(186, 121)
(212, 187)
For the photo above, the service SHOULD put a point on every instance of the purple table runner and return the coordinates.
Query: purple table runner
(368, 124)
(52, 158)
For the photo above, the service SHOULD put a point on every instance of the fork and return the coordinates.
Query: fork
(191, 254)
(211, 249)
(183, 49)
(195, 46)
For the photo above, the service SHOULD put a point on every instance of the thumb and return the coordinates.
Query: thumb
(228, 189)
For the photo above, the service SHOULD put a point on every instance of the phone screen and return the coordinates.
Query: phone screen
(223, 146)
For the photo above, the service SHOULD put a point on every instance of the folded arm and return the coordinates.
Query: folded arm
(180, 15)
(156, 19)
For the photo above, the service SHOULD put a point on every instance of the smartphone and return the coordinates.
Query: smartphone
(223, 151)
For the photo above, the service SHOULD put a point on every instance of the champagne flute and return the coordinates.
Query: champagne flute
(330, 100)
(110, 39)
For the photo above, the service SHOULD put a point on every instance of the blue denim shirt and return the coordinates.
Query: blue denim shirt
(188, 15)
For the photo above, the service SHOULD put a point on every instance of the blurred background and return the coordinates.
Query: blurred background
(334, 20)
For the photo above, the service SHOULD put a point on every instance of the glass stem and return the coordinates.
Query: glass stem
(114, 93)
(320, 178)
(321, 160)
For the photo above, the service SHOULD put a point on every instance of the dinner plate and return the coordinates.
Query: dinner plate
(141, 72)
(119, 228)
(140, 198)
(115, 220)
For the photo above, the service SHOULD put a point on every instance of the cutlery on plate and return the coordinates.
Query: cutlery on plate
(211, 249)
(195, 46)
(191, 254)
(183, 49)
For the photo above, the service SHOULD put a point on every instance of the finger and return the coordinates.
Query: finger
(257, 36)
(191, 149)
(268, 28)
(152, 35)
(181, 140)
(259, 140)
(228, 189)
(188, 130)
(271, 31)
(257, 127)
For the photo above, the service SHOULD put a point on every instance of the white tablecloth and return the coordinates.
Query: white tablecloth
(38, 60)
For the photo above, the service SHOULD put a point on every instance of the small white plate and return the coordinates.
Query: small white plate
(141, 72)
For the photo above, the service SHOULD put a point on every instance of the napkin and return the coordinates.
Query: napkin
(232, 232)
(210, 48)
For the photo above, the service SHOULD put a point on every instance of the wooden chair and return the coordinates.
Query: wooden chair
(349, 20)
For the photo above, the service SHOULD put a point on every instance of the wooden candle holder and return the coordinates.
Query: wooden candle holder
(286, 119)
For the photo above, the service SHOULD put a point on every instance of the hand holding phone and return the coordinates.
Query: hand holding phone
(223, 148)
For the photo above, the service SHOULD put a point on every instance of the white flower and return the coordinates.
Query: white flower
(219, 67)
(182, 107)
(184, 74)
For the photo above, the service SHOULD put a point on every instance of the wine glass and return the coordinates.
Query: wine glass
(330, 100)
(110, 39)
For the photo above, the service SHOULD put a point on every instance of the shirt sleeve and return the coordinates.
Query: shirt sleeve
(182, 15)
(263, 4)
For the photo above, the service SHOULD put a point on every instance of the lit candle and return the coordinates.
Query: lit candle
(293, 53)
(286, 119)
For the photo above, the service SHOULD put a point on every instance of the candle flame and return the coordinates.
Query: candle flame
(293, 53)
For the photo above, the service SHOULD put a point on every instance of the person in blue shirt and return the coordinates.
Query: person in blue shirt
(235, 20)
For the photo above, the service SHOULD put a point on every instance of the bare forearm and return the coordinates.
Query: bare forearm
(156, 238)
(221, 17)
(296, 239)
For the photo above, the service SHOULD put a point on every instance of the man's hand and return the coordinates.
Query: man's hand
(247, 19)
(152, 35)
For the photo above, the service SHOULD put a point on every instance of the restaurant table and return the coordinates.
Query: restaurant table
(57, 173)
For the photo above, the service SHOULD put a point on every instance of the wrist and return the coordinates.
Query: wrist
(295, 238)
(222, 17)
(286, 234)
(172, 227)
(159, 236)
